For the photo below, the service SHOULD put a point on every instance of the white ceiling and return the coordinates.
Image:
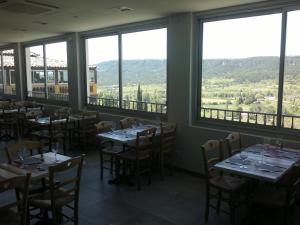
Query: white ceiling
(81, 15)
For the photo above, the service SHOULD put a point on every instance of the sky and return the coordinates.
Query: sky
(138, 45)
(249, 37)
(233, 38)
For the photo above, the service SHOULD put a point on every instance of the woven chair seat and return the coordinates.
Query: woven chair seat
(43, 200)
(227, 183)
(9, 217)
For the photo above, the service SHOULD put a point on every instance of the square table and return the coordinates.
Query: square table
(38, 171)
(127, 135)
(264, 162)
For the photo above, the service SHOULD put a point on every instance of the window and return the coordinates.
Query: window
(7, 72)
(240, 70)
(128, 71)
(49, 59)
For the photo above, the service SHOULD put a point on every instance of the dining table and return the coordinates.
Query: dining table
(37, 165)
(261, 161)
(125, 136)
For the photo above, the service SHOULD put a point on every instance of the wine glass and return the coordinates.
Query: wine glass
(243, 156)
(55, 151)
(21, 155)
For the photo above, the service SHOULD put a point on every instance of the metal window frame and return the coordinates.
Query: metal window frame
(119, 31)
(43, 42)
(234, 13)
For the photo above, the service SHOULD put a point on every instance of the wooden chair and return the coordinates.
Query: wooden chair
(8, 214)
(166, 146)
(54, 132)
(86, 131)
(64, 194)
(139, 155)
(128, 122)
(234, 143)
(107, 147)
(218, 182)
(280, 196)
(30, 146)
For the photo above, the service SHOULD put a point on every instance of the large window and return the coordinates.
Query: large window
(7, 72)
(128, 71)
(49, 59)
(242, 70)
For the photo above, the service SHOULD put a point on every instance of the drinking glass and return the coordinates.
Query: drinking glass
(243, 156)
(21, 155)
(55, 151)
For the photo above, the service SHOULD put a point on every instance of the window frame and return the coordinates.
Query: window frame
(4, 48)
(119, 31)
(257, 9)
(43, 43)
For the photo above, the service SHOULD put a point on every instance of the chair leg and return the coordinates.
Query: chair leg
(76, 221)
(137, 176)
(101, 165)
(207, 203)
(219, 201)
(162, 166)
(111, 164)
(232, 210)
(150, 171)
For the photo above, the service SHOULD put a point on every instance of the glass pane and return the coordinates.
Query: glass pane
(291, 93)
(34, 57)
(144, 70)
(57, 62)
(1, 74)
(103, 71)
(8, 67)
(240, 69)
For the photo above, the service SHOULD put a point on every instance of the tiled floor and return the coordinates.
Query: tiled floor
(179, 200)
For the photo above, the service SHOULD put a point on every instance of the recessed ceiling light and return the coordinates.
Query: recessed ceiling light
(41, 22)
(123, 8)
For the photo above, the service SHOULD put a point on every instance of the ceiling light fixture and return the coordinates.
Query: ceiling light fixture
(123, 8)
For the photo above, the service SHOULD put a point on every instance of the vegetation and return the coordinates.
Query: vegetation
(248, 85)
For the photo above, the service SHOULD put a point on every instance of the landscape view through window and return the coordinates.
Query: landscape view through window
(143, 73)
(240, 70)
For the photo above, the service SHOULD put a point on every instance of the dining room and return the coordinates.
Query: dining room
(187, 114)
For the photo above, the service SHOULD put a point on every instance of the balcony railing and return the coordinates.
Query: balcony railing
(129, 104)
(51, 96)
(267, 119)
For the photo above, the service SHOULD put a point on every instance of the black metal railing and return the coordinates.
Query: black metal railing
(51, 96)
(267, 119)
(129, 104)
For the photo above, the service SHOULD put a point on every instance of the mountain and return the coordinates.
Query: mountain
(151, 71)
(252, 69)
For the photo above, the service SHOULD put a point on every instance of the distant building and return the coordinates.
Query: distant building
(57, 75)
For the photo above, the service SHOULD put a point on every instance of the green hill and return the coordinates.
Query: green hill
(149, 71)
(250, 69)
(153, 71)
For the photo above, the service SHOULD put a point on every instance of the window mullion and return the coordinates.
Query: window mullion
(2, 68)
(281, 69)
(45, 71)
(120, 71)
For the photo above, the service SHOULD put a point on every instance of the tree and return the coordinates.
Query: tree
(139, 98)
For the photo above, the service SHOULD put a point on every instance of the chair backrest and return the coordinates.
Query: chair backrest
(291, 182)
(211, 154)
(12, 151)
(167, 137)
(128, 122)
(58, 122)
(104, 126)
(69, 181)
(144, 142)
(20, 183)
(234, 143)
